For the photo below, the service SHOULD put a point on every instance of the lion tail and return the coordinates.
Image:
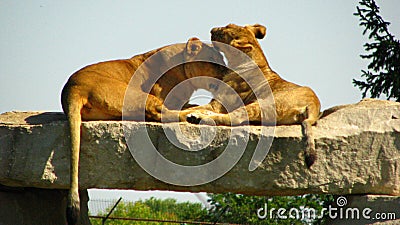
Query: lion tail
(73, 106)
(310, 154)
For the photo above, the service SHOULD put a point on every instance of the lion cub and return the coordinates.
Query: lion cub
(97, 92)
(294, 104)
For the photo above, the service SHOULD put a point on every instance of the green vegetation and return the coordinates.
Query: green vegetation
(242, 209)
(226, 208)
(383, 74)
(168, 209)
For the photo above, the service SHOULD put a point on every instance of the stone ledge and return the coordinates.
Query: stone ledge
(358, 146)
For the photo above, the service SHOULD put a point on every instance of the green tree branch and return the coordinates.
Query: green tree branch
(383, 73)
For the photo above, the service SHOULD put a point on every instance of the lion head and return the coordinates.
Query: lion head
(243, 38)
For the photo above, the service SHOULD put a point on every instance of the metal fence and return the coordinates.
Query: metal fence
(101, 212)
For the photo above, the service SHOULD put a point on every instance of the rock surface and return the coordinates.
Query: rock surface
(358, 149)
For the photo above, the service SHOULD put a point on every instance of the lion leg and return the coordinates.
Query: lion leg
(249, 113)
(105, 101)
(181, 115)
(157, 111)
(154, 109)
(235, 118)
(200, 109)
(140, 106)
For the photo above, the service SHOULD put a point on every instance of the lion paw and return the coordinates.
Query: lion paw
(193, 118)
(200, 118)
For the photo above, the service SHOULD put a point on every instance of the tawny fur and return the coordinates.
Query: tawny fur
(96, 92)
(294, 104)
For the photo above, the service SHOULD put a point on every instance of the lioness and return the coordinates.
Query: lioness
(294, 104)
(96, 92)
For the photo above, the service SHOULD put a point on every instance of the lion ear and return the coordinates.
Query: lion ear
(193, 46)
(258, 30)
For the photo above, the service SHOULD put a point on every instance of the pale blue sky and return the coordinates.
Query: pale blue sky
(315, 43)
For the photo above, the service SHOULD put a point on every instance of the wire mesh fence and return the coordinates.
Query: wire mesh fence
(150, 212)
(226, 208)
(100, 206)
